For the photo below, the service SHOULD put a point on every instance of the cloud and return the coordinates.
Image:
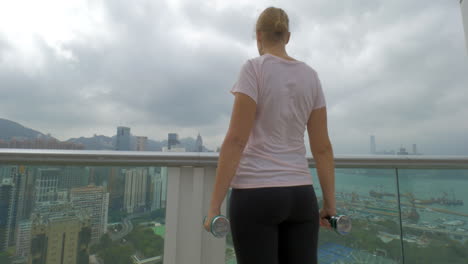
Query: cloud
(394, 69)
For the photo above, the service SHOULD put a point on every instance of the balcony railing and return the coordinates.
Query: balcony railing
(403, 207)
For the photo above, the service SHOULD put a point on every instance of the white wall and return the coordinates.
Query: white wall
(464, 9)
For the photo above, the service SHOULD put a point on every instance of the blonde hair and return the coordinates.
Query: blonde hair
(274, 22)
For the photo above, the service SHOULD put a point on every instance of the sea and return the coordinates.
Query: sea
(422, 184)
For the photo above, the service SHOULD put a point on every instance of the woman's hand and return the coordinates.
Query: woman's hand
(325, 213)
(211, 214)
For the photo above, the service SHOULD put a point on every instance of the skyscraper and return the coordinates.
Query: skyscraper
(156, 190)
(163, 179)
(116, 188)
(123, 138)
(415, 149)
(142, 143)
(402, 151)
(135, 189)
(23, 238)
(73, 177)
(199, 144)
(95, 201)
(172, 140)
(46, 186)
(373, 148)
(7, 195)
(59, 235)
(25, 193)
(9, 207)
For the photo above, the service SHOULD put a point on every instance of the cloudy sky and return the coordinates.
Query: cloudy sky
(395, 69)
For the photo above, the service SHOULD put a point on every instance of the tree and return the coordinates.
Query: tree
(145, 241)
(117, 254)
(4, 258)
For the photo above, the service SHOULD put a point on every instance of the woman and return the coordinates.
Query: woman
(273, 208)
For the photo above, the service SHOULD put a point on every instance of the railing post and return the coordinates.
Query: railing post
(400, 218)
(464, 11)
(188, 195)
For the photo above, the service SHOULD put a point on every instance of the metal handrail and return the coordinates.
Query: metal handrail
(150, 158)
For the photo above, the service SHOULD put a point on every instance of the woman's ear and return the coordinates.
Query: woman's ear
(259, 42)
(259, 35)
(288, 36)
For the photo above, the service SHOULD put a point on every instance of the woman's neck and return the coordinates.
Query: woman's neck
(278, 52)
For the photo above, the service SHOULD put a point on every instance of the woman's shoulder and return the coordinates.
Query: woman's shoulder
(260, 60)
(257, 63)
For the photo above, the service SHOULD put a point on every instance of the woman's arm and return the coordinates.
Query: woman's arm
(323, 155)
(242, 120)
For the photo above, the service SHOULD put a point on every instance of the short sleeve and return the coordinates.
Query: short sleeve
(319, 99)
(247, 82)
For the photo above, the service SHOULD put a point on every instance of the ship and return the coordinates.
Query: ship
(450, 201)
(454, 223)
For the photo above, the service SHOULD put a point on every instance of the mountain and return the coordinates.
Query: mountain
(154, 145)
(108, 143)
(97, 142)
(10, 129)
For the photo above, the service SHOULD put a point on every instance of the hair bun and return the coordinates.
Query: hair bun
(281, 26)
(274, 21)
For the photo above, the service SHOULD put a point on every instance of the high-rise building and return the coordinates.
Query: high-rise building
(95, 201)
(163, 178)
(135, 189)
(46, 186)
(25, 193)
(16, 203)
(9, 196)
(123, 138)
(156, 190)
(25, 208)
(23, 239)
(73, 177)
(415, 149)
(199, 144)
(141, 143)
(464, 9)
(402, 151)
(59, 235)
(116, 188)
(373, 147)
(172, 140)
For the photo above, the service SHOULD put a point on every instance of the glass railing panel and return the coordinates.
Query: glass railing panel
(81, 214)
(435, 225)
(369, 197)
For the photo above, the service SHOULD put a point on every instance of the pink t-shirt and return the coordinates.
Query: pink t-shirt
(286, 92)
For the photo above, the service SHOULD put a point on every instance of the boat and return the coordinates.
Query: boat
(454, 223)
(431, 201)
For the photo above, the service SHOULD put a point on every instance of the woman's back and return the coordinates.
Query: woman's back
(286, 92)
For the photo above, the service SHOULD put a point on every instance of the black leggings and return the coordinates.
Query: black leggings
(275, 225)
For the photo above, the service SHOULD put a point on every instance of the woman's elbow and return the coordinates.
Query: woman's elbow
(322, 149)
(235, 141)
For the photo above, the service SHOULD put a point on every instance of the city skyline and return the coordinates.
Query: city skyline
(402, 150)
(122, 140)
(125, 140)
